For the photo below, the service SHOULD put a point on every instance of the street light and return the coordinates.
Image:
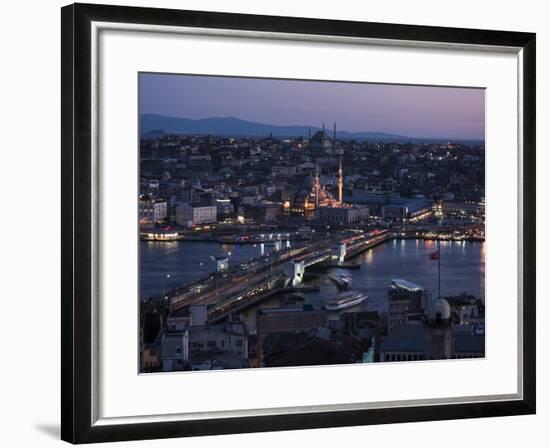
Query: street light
(164, 286)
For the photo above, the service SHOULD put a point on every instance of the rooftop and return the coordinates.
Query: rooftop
(404, 338)
(290, 349)
(405, 284)
(469, 343)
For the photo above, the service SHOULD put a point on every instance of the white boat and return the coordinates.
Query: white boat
(346, 300)
(346, 280)
(342, 281)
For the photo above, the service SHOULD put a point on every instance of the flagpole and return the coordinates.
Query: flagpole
(438, 267)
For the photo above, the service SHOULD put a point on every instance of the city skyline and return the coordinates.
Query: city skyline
(284, 246)
(413, 111)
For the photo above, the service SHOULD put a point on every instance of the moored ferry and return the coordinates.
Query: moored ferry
(160, 235)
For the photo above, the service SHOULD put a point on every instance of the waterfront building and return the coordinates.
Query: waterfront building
(151, 211)
(407, 209)
(370, 195)
(464, 208)
(374, 198)
(193, 214)
(271, 211)
(342, 215)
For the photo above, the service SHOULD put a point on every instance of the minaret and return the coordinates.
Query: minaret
(323, 138)
(316, 186)
(340, 183)
(334, 140)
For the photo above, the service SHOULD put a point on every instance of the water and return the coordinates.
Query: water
(167, 265)
(462, 269)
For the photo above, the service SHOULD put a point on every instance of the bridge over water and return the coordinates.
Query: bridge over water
(263, 277)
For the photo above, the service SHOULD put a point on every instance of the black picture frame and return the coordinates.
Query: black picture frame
(76, 280)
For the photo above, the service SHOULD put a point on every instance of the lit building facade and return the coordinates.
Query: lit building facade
(342, 215)
(464, 208)
(152, 211)
(193, 214)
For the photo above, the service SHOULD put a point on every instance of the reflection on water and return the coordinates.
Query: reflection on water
(462, 268)
(184, 261)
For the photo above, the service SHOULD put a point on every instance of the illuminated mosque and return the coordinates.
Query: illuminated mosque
(317, 202)
(307, 200)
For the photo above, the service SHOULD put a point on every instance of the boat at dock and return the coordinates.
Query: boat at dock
(161, 236)
(345, 300)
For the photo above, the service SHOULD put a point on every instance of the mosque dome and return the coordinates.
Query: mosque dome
(320, 140)
(439, 311)
(319, 136)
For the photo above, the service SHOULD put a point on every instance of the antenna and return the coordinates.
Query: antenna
(438, 267)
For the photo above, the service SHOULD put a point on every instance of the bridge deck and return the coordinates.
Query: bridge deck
(241, 289)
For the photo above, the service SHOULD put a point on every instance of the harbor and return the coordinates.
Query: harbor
(464, 267)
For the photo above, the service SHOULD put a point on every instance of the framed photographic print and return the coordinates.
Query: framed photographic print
(275, 223)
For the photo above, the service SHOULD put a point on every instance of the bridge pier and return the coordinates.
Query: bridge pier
(339, 252)
(294, 272)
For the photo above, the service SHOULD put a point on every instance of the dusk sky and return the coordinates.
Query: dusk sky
(414, 111)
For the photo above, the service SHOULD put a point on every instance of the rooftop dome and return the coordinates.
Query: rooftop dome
(439, 311)
(320, 138)
(319, 135)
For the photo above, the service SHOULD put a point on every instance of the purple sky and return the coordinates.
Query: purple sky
(415, 111)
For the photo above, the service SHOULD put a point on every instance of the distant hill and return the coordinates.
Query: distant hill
(154, 133)
(154, 125)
